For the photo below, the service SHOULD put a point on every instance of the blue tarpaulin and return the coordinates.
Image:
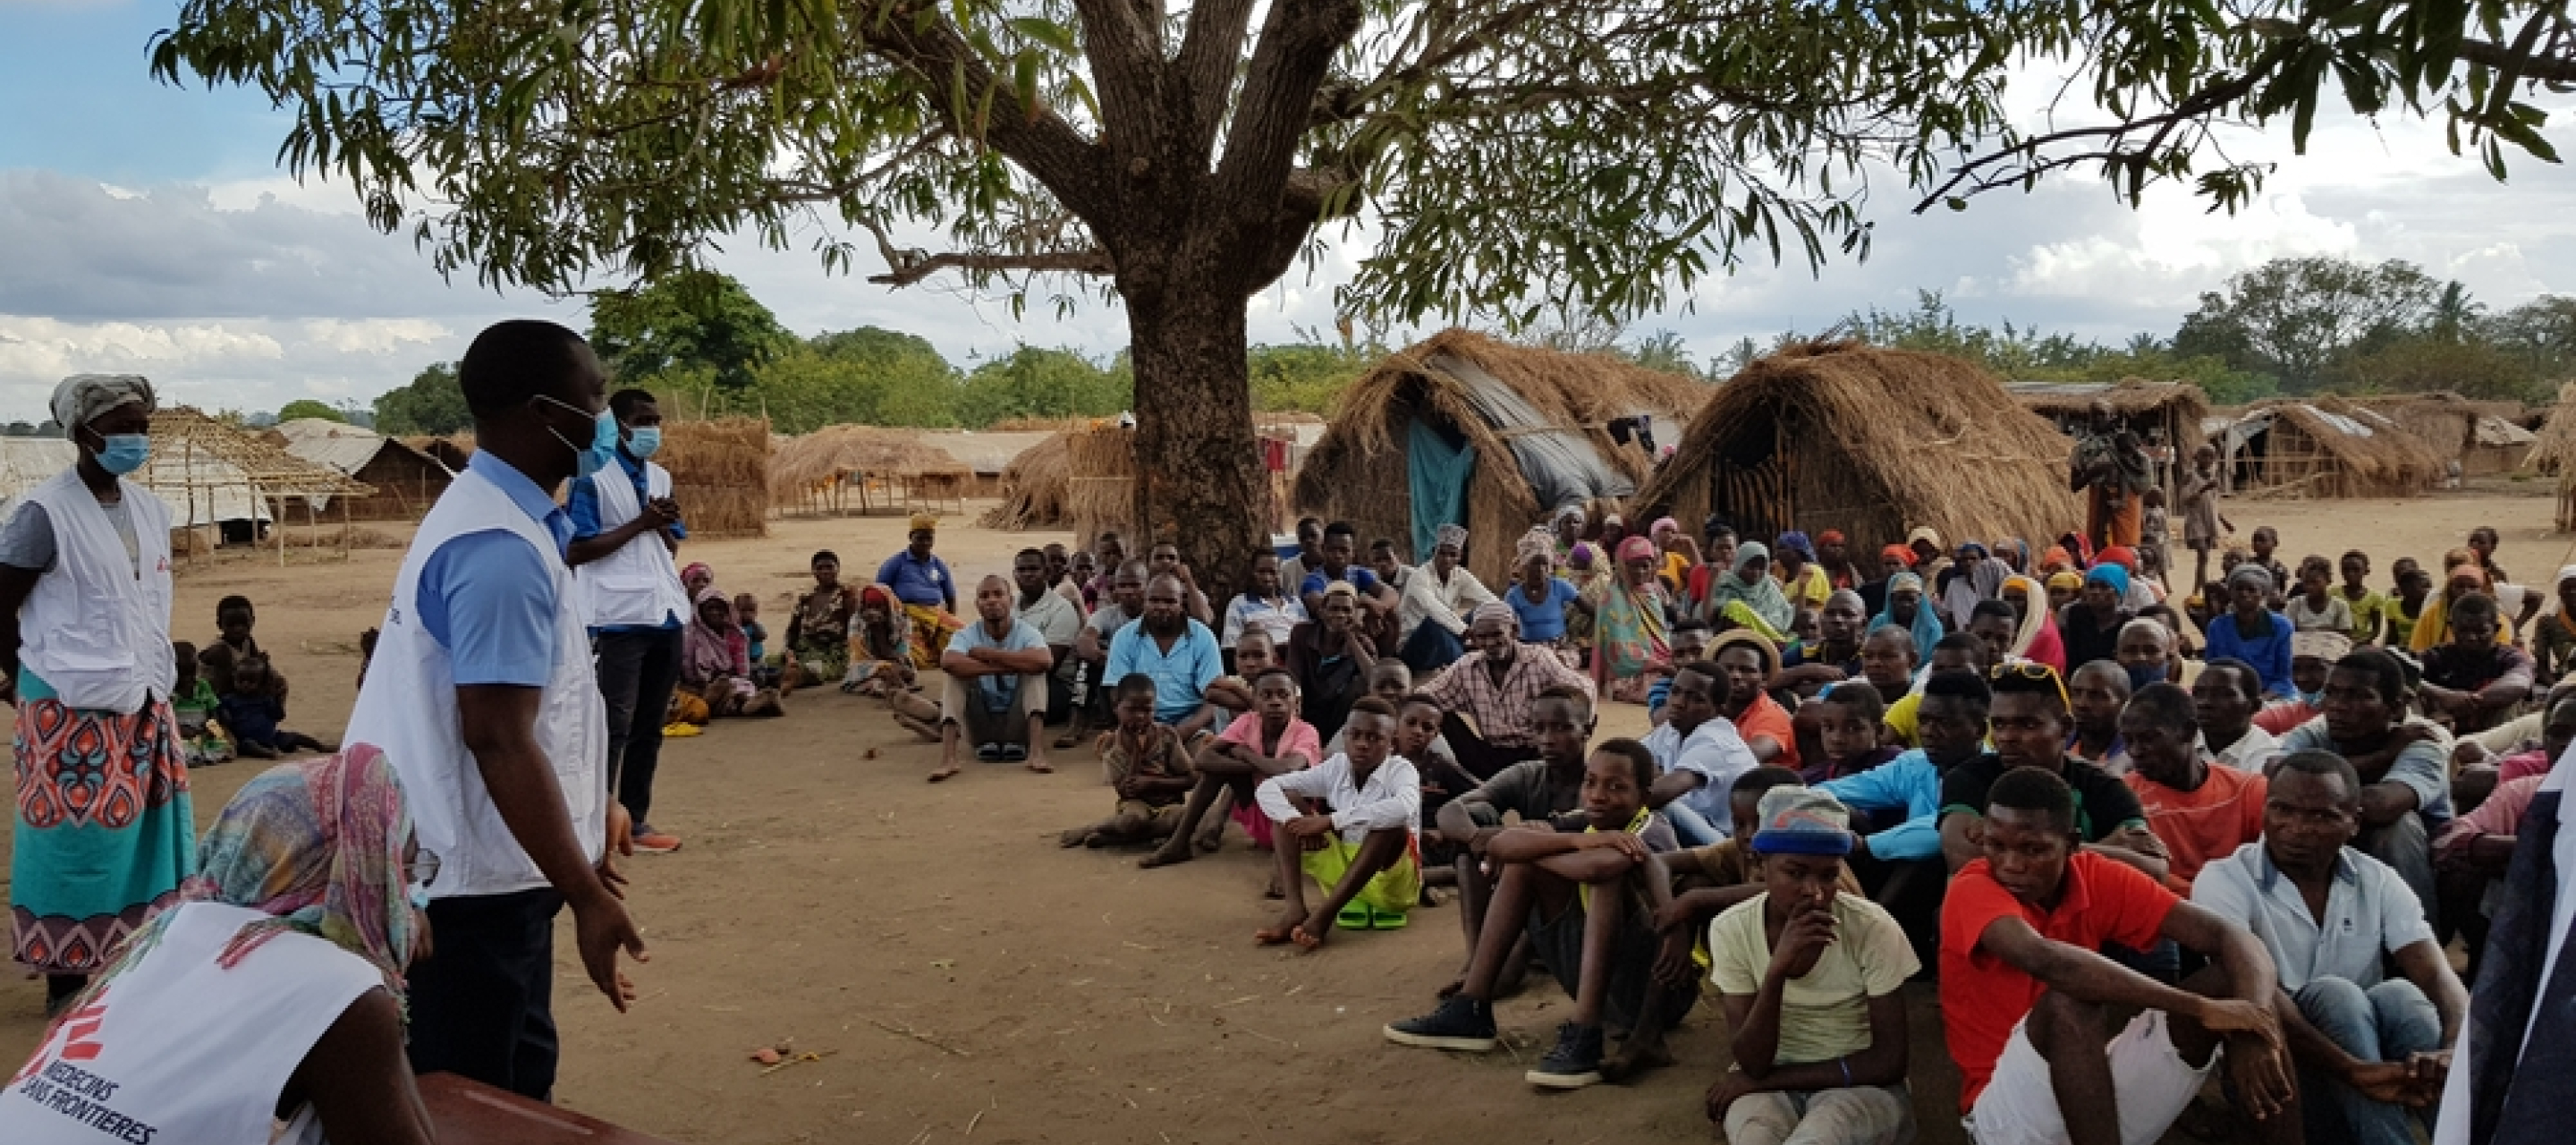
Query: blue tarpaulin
(1437, 467)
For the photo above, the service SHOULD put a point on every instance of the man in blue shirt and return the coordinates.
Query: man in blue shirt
(1899, 862)
(927, 590)
(1179, 653)
(1341, 542)
(626, 555)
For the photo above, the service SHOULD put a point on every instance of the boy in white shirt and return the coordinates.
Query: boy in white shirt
(1368, 863)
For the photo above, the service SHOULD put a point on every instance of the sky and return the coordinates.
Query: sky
(147, 229)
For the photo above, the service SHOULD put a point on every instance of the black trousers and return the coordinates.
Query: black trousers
(482, 1003)
(1911, 890)
(1481, 759)
(637, 671)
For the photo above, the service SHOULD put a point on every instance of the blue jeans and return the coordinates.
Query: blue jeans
(2384, 1023)
(1692, 828)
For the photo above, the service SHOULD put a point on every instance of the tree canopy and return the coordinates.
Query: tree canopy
(430, 404)
(307, 407)
(694, 319)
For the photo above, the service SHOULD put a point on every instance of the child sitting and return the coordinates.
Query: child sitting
(252, 708)
(1364, 854)
(1271, 741)
(1147, 767)
(746, 619)
(234, 619)
(716, 665)
(193, 701)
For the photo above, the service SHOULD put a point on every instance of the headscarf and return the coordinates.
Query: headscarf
(2118, 578)
(1762, 598)
(2253, 574)
(1636, 548)
(2037, 638)
(1534, 543)
(1794, 541)
(2015, 553)
(925, 521)
(1925, 533)
(1899, 553)
(1661, 524)
(1978, 577)
(705, 653)
(694, 568)
(1926, 628)
(2121, 555)
(1497, 611)
(317, 846)
(2433, 627)
(81, 398)
(2066, 578)
(1832, 537)
(2077, 546)
(1450, 535)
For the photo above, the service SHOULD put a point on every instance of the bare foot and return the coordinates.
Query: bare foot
(1309, 939)
(1041, 766)
(1074, 838)
(1211, 841)
(946, 771)
(1165, 856)
(1634, 1058)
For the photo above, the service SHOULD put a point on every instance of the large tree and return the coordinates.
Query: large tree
(2299, 318)
(693, 322)
(1502, 157)
(430, 404)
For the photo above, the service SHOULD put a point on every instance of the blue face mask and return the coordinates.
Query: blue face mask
(603, 440)
(123, 453)
(644, 442)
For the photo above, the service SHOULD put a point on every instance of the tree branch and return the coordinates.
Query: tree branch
(1211, 48)
(1126, 67)
(2552, 68)
(1298, 42)
(1978, 175)
(1043, 144)
(906, 266)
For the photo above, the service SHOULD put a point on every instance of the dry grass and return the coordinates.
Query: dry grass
(816, 464)
(2310, 452)
(719, 474)
(1838, 435)
(1034, 487)
(1356, 472)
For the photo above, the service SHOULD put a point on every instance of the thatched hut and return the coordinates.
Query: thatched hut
(406, 481)
(888, 469)
(1875, 443)
(2554, 453)
(719, 475)
(2323, 447)
(2166, 416)
(1500, 434)
(985, 454)
(452, 451)
(2484, 437)
(232, 481)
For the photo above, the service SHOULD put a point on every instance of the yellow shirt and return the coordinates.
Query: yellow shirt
(1824, 1015)
(1810, 588)
(1900, 719)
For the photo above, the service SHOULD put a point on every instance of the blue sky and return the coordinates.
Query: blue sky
(145, 228)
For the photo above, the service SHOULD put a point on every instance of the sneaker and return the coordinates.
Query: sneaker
(1461, 1023)
(651, 842)
(1574, 1063)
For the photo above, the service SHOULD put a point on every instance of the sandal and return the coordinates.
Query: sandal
(1014, 752)
(1354, 917)
(1382, 920)
(988, 753)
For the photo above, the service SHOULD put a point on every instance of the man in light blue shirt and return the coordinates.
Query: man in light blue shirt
(1179, 653)
(1900, 863)
(627, 562)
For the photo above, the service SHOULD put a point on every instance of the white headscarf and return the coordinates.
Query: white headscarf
(81, 398)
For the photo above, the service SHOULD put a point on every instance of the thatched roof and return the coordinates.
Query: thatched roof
(835, 453)
(1840, 435)
(2556, 449)
(2376, 455)
(2182, 402)
(1515, 407)
(1035, 486)
(2446, 421)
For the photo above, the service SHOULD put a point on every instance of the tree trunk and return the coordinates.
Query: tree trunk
(1199, 479)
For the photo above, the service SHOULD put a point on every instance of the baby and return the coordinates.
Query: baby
(192, 701)
(254, 706)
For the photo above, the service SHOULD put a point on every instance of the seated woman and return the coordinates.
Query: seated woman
(272, 993)
(715, 662)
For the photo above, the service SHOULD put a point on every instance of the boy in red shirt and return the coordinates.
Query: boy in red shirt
(2199, 812)
(2057, 1044)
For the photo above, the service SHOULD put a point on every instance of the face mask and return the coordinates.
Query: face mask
(603, 440)
(2315, 699)
(645, 442)
(420, 898)
(123, 453)
(2141, 675)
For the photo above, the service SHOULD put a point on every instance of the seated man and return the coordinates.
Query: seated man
(1887, 662)
(1341, 543)
(2368, 1048)
(1057, 620)
(1689, 640)
(1533, 791)
(2200, 812)
(2472, 854)
(1709, 881)
(2224, 702)
(2027, 720)
(997, 671)
(1493, 685)
(2406, 790)
(1698, 754)
(1435, 601)
(2312, 654)
(1899, 862)
(1164, 559)
(2058, 1044)
(2148, 652)
(1363, 846)
(1124, 602)
(2095, 695)
(1148, 769)
(1581, 885)
(1834, 656)
(1269, 740)
(1809, 979)
(2471, 681)
(1178, 652)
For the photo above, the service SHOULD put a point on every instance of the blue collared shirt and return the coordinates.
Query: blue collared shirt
(919, 581)
(488, 598)
(1181, 676)
(583, 507)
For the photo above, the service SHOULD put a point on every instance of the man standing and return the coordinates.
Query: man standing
(925, 588)
(996, 690)
(2109, 466)
(2369, 1048)
(1495, 684)
(483, 675)
(625, 531)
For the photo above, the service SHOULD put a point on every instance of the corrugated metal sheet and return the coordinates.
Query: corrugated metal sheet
(1562, 466)
(2497, 431)
(221, 495)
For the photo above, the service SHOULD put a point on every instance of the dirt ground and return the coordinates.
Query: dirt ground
(972, 982)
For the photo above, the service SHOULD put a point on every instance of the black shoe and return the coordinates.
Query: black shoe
(1461, 1023)
(1574, 1063)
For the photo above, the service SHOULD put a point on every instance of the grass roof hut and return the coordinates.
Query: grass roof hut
(889, 468)
(406, 481)
(2555, 454)
(2165, 415)
(1875, 443)
(719, 475)
(2484, 437)
(1499, 434)
(2324, 447)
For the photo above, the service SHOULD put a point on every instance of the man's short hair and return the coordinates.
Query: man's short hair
(1691, 624)
(513, 361)
(1342, 529)
(2014, 680)
(1273, 670)
(622, 403)
(822, 555)
(2387, 675)
(1133, 686)
(1986, 608)
(1703, 668)
(1570, 694)
(1373, 706)
(2165, 706)
(2322, 763)
(1860, 697)
(1427, 700)
(1753, 783)
(1641, 762)
(1962, 642)
(1382, 545)
(2474, 605)
(1025, 554)
(1963, 686)
(2033, 790)
(2249, 683)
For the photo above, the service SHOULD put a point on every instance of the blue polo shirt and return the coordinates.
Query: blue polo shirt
(583, 507)
(489, 599)
(1181, 676)
(919, 582)
(1362, 580)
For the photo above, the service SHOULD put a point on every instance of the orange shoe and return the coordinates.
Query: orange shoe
(652, 842)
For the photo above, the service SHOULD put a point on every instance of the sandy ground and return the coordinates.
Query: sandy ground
(971, 981)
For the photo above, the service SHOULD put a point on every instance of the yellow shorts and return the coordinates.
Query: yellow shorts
(1395, 890)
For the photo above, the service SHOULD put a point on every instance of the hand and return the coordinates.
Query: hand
(2386, 1082)
(1477, 842)
(601, 928)
(1366, 646)
(1672, 916)
(1308, 827)
(1803, 941)
(1674, 968)
(2230, 1016)
(2429, 1070)
(621, 841)
(1626, 844)
(1722, 1093)
(658, 513)
(2468, 752)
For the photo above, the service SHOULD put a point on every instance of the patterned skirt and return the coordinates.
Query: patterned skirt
(105, 832)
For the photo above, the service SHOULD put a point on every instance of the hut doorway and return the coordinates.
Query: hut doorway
(1437, 469)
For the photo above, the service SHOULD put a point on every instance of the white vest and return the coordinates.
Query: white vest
(639, 584)
(92, 629)
(408, 709)
(180, 1050)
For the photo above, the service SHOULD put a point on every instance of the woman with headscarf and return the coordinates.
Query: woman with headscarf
(1892, 559)
(1538, 597)
(1801, 577)
(1628, 634)
(1906, 610)
(104, 831)
(2433, 624)
(1975, 576)
(715, 661)
(2143, 592)
(927, 590)
(877, 655)
(271, 991)
(2091, 625)
(2015, 554)
(2036, 639)
(1677, 553)
(1748, 596)
(695, 578)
